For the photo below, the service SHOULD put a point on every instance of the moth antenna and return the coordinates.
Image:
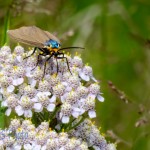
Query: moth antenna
(70, 48)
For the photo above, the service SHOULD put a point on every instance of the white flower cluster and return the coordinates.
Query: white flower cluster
(57, 103)
(24, 89)
(90, 134)
(24, 135)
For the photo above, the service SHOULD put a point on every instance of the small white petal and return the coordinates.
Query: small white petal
(43, 147)
(37, 147)
(65, 119)
(1, 90)
(39, 94)
(27, 147)
(63, 98)
(52, 99)
(57, 127)
(28, 113)
(93, 96)
(96, 148)
(28, 69)
(82, 100)
(8, 111)
(10, 88)
(1, 97)
(32, 82)
(19, 58)
(60, 115)
(17, 147)
(39, 110)
(46, 76)
(93, 79)
(15, 83)
(33, 144)
(47, 93)
(64, 83)
(68, 88)
(38, 107)
(28, 74)
(23, 97)
(35, 99)
(9, 148)
(83, 76)
(76, 109)
(75, 114)
(19, 110)
(92, 114)
(4, 104)
(82, 111)
(1, 141)
(20, 81)
(51, 107)
(100, 98)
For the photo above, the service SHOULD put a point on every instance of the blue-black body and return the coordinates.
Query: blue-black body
(53, 44)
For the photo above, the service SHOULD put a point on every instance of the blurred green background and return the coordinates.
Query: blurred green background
(116, 37)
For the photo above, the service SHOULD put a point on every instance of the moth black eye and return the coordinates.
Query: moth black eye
(49, 45)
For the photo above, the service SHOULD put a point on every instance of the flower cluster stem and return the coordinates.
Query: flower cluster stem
(51, 116)
(77, 124)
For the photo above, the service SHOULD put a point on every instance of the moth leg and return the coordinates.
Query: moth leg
(66, 61)
(42, 49)
(46, 62)
(38, 59)
(57, 66)
(31, 53)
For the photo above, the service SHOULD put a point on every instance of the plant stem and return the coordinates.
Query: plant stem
(6, 27)
(69, 124)
(54, 113)
(81, 120)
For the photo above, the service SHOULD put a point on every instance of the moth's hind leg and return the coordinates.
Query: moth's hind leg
(31, 53)
(46, 62)
(66, 61)
(38, 59)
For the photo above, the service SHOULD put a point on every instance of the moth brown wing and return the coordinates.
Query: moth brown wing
(43, 36)
(29, 36)
(31, 43)
(39, 34)
(51, 36)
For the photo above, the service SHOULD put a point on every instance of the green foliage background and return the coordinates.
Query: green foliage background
(116, 35)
